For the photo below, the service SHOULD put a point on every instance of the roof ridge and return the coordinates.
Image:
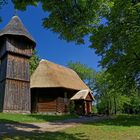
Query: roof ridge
(45, 60)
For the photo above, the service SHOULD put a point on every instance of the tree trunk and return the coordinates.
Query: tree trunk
(115, 106)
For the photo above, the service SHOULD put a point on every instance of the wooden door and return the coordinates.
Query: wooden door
(88, 105)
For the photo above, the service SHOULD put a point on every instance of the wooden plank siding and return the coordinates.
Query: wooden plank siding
(88, 98)
(3, 67)
(17, 96)
(62, 105)
(48, 106)
(19, 45)
(88, 107)
(14, 75)
(17, 68)
(50, 100)
(16, 46)
(2, 90)
(53, 105)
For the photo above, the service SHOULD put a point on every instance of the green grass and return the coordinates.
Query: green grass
(122, 127)
(5, 117)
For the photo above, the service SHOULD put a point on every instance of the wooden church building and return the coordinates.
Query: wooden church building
(52, 87)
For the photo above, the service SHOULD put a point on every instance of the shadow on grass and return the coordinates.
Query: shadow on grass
(44, 136)
(120, 120)
(13, 131)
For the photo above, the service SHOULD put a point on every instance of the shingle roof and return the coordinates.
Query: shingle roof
(49, 74)
(82, 94)
(16, 27)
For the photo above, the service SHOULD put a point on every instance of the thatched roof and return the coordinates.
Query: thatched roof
(82, 94)
(49, 75)
(16, 27)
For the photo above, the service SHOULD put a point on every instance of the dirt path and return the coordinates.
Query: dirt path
(7, 128)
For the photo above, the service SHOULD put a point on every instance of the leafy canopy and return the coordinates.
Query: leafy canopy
(113, 27)
(118, 42)
(72, 19)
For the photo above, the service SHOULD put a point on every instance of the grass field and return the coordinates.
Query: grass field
(4, 117)
(122, 127)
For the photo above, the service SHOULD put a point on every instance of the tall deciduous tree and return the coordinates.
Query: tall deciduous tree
(85, 73)
(116, 40)
(110, 99)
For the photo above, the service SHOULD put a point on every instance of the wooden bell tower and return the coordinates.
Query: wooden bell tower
(16, 46)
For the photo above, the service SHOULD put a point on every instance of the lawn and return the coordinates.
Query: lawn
(122, 127)
(5, 117)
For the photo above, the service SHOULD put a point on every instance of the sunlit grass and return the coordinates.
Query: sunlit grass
(121, 127)
(5, 117)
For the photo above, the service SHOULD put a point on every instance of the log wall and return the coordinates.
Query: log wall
(62, 105)
(3, 67)
(88, 107)
(17, 68)
(19, 45)
(88, 98)
(49, 100)
(47, 106)
(14, 75)
(3, 64)
(17, 96)
(2, 90)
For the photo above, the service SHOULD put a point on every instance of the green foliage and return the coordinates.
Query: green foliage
(118, 42)
(72, 19)
(34, 61)
(94, 109)
(72, 107)
(110, 99)
(133, 107)
(85, 73)
(22, 4)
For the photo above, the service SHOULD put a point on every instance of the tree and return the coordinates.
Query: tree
(34, 61)
(133, 107)
(72, 19)
(118, 42)
(114, 30)
(109, 98)
(85, 73)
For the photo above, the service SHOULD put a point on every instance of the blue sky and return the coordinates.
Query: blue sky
(49, 46)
